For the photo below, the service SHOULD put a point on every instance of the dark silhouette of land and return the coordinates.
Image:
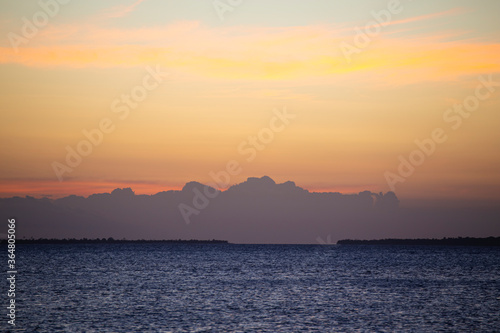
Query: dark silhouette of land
(459, 241)
(110, 240)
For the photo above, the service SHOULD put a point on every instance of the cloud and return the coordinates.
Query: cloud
(39, 187)
(261, 53)
(450, 12)
(122, 10)
(285, 213)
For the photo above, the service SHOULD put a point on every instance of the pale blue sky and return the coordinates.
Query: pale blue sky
(482, 15)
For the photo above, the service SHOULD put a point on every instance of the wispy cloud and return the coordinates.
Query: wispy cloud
(451, 12)
(40, 187)
(259, 53)
(122, 10)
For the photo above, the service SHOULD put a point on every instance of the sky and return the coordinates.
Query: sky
(337, 96)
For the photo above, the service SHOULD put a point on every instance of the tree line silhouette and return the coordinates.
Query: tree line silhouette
(111, 240)
(458, 241)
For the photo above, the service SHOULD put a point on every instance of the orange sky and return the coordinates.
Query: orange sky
(221, 85)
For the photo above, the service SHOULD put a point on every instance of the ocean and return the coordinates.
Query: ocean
(255, 288)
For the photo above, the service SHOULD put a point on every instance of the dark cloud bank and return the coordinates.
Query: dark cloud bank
(255, 211)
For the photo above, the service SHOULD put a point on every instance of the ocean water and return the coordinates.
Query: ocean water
(255, 288)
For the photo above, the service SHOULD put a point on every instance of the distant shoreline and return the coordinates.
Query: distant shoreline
(459, 241)
(111, 240)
